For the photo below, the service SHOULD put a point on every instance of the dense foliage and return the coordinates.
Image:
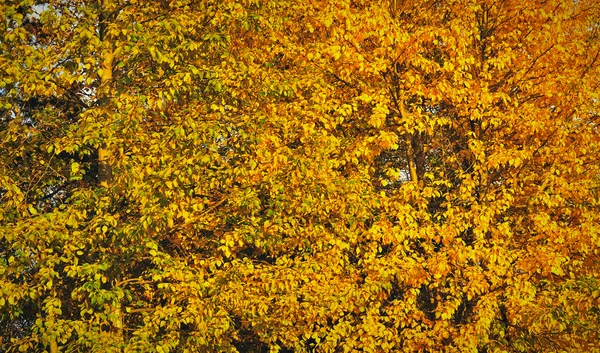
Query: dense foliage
(294, 176)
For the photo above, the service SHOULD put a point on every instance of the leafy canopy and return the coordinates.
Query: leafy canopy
(293, 176)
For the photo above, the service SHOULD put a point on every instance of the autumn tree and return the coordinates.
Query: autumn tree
(296, 176)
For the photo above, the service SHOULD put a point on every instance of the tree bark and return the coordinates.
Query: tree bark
(104, 167)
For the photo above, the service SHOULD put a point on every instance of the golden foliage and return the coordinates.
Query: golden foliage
(329, 176)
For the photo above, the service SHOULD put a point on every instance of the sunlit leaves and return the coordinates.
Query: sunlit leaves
(308, 176)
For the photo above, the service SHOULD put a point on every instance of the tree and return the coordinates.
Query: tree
(292, 176)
